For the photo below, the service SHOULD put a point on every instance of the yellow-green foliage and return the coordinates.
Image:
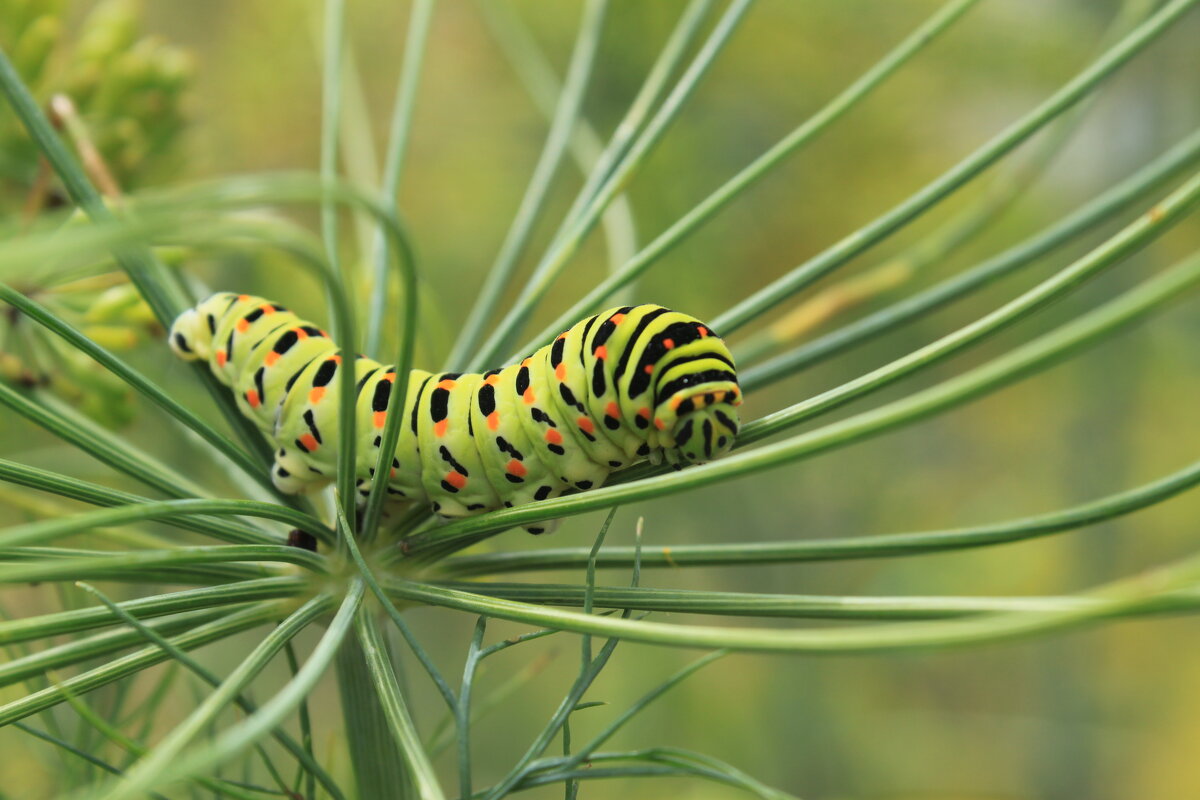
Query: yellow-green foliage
(127, 87)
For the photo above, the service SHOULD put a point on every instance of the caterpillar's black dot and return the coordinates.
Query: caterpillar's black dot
(181, 343)
(542, 492)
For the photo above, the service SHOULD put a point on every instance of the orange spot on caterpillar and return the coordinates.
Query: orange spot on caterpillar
(586, 425)
(439, 427)
(560, 371)
(446, 384)
(515, 467)
(243, 297)
(675, 401)
(309, 442)
(612, 410)
(562, 335)
(252, 398)
(669, 344)
(658, 423)
(644, 412)
(242, 326)
(392, 472)
(703, 331)
(528, 396)
(316, 394)
(491, 380)
(271, 358)
(222, 357)
(456, 479)
(267, 308)
(617, 319)
(335, 359)
(301, 334)
(390, 376)
(493, 420)
(380, 417)
(602, 352)
(553, 436)
(649, 369)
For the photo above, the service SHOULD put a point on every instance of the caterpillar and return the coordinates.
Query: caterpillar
(626, 385)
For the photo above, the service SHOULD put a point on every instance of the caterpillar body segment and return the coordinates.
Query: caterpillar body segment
(626, 385)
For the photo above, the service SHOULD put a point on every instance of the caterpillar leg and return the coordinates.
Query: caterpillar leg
(292, 473)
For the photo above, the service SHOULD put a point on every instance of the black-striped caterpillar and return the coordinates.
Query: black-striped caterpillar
(628, 384)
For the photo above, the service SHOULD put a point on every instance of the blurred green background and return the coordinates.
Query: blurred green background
(1103, 713)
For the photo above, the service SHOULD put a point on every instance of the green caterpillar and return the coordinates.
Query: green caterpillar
(629, 384)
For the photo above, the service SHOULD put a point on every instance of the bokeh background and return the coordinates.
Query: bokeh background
(1103, 713)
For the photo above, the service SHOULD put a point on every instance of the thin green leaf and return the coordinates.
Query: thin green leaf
(139, 660)
(565, 246)
(1093, 213)
(236, 739)
(566, 115)
(761, 166)
(164, 759)
(396, 710)
(1145, 590)
(393, 168)
(1000, 145)
(180, 565)
(43, 661)
(303, 757)
(48, 530)
(881, 546)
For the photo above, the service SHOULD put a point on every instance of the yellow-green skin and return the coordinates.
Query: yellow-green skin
(626, 385)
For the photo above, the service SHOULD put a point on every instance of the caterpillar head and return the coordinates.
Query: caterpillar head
(189, 337)
(192, 332)
(705, 426)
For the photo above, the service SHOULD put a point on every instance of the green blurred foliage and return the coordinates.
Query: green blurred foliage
(127, 90)
(1107, 713)
(128, 87)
